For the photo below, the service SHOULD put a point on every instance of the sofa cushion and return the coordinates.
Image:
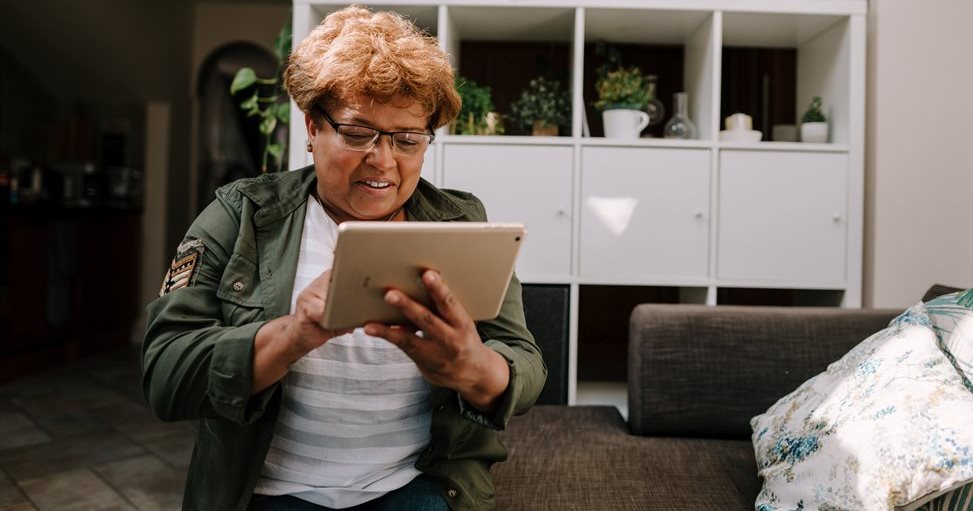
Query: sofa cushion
(585, 458)
(886, 425)
(699, 371)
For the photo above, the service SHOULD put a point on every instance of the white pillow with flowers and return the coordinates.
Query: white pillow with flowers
(887, 425)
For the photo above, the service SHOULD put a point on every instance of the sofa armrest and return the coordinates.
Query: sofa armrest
(700, 371)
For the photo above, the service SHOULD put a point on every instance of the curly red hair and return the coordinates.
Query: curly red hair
(359, 54)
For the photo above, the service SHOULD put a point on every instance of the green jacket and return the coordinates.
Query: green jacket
(240, 256)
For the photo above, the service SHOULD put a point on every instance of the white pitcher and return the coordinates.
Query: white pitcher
(624, 123)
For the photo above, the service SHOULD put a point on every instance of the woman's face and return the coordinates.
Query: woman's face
(366, 185)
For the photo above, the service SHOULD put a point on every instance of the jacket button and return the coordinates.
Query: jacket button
(441, 407)
(452, 493)
(238, 286)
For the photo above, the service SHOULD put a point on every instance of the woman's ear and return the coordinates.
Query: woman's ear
(312, 128)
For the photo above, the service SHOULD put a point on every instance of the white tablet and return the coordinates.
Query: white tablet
(476, 260)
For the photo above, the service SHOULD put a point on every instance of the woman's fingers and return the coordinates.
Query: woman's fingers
(312, 299)
(404, 338)
(418, 314)
(446, 303)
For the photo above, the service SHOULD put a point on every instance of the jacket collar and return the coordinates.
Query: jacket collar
(290, 190)
(430, 204)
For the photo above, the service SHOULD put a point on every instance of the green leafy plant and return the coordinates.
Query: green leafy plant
(543, 101)
(623, 88)
(267, 99)
(813, 113)
(477, 104)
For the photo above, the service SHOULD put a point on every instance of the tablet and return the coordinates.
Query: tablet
(476, 260)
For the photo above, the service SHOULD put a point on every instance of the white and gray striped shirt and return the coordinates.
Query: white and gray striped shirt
(356, 410)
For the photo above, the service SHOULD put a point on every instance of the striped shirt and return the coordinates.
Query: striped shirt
(356, 412)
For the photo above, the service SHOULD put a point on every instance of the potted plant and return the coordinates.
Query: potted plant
(268, 101)
(542, 107)
(814, 129)
(622, 97)
(476, 115)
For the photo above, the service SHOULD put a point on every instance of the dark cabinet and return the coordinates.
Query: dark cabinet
(547, 308)
(68, 283)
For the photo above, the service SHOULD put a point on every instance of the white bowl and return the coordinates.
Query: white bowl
(750, 136)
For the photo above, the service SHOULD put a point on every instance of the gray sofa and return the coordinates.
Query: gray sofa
(696, 375)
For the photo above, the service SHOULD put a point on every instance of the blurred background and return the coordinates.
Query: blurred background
(116, 126)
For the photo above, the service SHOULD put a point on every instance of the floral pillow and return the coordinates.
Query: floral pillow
(886, 425)
(952, 319)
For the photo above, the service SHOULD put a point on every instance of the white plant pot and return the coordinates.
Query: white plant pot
(624, 123)
(814, 132)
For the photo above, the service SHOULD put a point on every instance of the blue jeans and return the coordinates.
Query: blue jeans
(422, 494)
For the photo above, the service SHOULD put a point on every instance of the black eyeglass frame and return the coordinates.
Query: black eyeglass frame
(391, 134)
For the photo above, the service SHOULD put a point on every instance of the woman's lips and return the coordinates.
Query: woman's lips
(376, 187)
(378, 184)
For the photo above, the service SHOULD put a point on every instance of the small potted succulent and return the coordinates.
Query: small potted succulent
(476, 115)
(622, 97)
(542, 107)
(814, 128)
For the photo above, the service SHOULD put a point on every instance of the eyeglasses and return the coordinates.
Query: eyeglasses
(363, 138)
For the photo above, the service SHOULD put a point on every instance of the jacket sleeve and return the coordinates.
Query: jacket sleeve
(508, 335)
(193, 365)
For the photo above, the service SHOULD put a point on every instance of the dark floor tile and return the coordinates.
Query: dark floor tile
(71, 413)
(11, 498)
(6, 405)
(17, 430)
(25, 463)
(137, 422)
(51, 382)
(175, 448)
(119, 370)
(145, 481)
(74, 490)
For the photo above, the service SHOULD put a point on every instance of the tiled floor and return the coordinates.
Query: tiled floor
(80, 438)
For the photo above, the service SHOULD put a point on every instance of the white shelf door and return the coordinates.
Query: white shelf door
(525, 184)
(644, 214)
(783, 218)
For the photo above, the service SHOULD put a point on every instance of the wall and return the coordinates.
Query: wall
(215, 25)
(919, 150)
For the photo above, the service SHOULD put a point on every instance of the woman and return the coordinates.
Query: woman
(293, 416)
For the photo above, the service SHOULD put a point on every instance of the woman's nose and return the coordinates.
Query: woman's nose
(382, 154)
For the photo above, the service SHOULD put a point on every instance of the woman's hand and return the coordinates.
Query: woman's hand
(281, 342)
(450, 352)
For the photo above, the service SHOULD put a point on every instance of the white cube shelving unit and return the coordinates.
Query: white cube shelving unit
(697, 215)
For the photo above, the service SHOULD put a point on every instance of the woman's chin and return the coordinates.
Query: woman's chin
(372, 214)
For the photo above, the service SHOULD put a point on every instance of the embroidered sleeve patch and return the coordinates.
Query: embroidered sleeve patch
(182, 271)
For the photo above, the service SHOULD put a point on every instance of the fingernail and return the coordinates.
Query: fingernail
(371, 329)
(391, 298)
(431, 277)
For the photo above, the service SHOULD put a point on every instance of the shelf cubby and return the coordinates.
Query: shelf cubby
(773, 64)
(603, 315)
(676, 46)
(506, 47)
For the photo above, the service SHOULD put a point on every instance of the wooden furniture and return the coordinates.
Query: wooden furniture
(67, 283)
(694, 221)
